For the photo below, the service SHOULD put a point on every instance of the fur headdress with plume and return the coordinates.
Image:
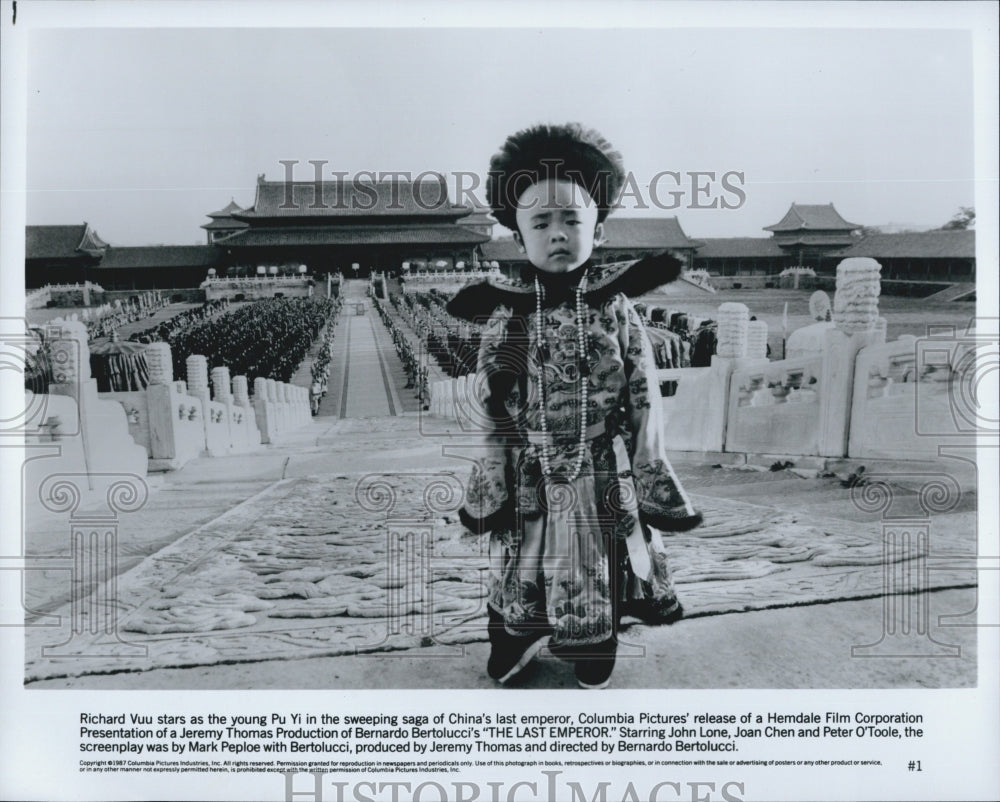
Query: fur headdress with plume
(553, 152)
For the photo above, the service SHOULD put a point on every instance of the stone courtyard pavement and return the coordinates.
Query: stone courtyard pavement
(336, 560)
(334, 563)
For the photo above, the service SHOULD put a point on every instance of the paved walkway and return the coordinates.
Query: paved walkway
(367, 379)
(368, 390)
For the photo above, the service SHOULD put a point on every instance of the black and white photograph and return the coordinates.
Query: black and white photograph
(499, 401)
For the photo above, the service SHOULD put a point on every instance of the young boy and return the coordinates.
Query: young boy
(575, 485)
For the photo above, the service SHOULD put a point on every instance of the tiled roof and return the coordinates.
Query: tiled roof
(62, 242)
(92, 244)
(818, 240)
(348, 198)
(225, 224)
(822, 217)
(161, 256)
(355, 235)
(916, 245)
(734, 247)
(232, 207)
(637, 233)
(503, 250)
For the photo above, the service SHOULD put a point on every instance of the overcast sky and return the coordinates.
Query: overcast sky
(141, 132)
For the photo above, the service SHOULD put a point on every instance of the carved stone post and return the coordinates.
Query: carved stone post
(241, 393)
(264, 410)
(159, 362)
(221, 390)
(855, 312)
(734, 318)
(197, 378)
(855, 303)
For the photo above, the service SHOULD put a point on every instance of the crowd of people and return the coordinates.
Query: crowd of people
(266, 338)
(678, 341)
(453, 344)
(416, 373)
(162, 332)
(106, 319)
(320, 370)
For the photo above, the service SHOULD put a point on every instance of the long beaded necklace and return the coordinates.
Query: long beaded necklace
(581, 336)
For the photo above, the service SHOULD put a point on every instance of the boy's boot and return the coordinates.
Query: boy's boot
(510, 654)
(594, 664)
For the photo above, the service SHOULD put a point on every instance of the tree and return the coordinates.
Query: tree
(964, 218)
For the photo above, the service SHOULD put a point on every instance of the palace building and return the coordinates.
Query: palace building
(155, 266)
(342, 225)
(355, 228)
(60, 254)
(948, 256)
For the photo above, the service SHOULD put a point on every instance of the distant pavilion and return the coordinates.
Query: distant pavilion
(223, 223)
(809, 235)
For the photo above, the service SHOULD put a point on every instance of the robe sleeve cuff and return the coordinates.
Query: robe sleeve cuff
(500, 519)
(666, 521)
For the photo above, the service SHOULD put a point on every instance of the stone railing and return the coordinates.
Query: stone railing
(177, 421)
(252, 280)
(37, 299)
(75, 294)
(776, 408)
(914, 396)
(161, 427)
(459, 399)
(90, 430)
(695, 410)
(449, 275)
(257, 287)
(280, 408)
(106, 319)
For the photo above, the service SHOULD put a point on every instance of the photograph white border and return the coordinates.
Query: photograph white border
(38, 731)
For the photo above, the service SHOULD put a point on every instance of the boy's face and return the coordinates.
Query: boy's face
(557, 225)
